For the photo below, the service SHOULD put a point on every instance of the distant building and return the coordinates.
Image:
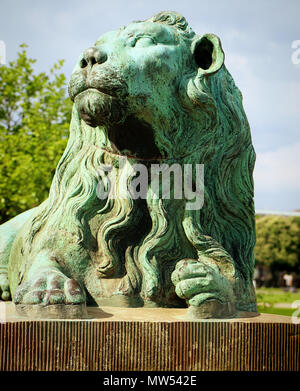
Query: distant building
(295, 213)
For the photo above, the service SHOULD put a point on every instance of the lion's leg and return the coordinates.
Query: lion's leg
(45, 283)
(8, 232)
(207, 283)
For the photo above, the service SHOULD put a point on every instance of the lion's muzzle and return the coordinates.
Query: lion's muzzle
(92, 56)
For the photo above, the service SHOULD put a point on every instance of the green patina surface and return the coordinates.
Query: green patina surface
(155, 93)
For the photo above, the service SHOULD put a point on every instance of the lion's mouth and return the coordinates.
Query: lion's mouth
(128, 136)
(133, 138)
(97, 108)
(103, 80)
(91, 89)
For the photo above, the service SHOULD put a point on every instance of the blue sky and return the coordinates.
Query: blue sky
(257, 38)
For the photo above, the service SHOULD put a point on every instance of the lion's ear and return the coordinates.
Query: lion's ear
(208, 53)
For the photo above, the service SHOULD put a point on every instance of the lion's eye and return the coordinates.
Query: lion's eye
(144, 42)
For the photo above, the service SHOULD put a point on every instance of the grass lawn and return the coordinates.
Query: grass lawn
(277, 311)
(270, 296)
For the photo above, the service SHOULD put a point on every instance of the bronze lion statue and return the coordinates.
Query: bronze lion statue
(150, 93)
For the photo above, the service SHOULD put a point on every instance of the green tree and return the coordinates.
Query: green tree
(35, 113)
(278, 242)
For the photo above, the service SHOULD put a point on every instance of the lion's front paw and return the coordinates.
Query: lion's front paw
(197, 281)
(50, 287)
(4, 287)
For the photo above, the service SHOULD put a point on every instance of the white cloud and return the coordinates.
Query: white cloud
(278, 170)
(236, 62)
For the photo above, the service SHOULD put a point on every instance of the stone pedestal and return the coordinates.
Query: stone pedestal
(148, 339)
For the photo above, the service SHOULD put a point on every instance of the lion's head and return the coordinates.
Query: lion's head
(155, 91)
(143, 82)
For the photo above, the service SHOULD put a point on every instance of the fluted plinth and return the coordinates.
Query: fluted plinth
(148, 339)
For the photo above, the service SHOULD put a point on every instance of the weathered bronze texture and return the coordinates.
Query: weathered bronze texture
(151, 93)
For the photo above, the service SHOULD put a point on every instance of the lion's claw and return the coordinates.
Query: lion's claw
(197, 281)
(50, 288)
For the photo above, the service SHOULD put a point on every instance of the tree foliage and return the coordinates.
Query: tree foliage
(35, 113)
(278, 242)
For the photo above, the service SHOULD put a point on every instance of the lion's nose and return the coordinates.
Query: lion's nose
(92, 56)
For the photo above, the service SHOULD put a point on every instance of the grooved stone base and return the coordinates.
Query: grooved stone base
(147, 339)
